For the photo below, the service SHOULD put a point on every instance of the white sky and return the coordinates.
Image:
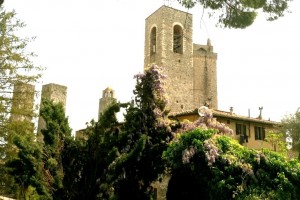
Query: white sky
(90, 45)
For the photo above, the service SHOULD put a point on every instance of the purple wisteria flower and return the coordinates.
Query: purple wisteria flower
(211, 152)
(187, 154)
(139, 76)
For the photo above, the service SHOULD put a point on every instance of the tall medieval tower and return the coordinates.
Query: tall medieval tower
(57, 94)
(108, 97)
(191, 68)
(22, 102)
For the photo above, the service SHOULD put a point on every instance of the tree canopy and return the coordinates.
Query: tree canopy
(291, 127)
(214, 166)
(38, 167)
(114, 160)
(240, 13)
(16, 67)
(122, 160)
(17, 76)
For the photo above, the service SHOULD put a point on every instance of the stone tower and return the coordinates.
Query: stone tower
(22, 102)
(108, 97)
(205, 76)
(56, 93)
(191, 68)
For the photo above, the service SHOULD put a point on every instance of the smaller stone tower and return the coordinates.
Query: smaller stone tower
(22, 102)
(205, 76)
(108, 97)
(56, 93)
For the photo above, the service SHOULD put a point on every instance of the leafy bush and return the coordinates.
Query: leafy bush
(220, 168)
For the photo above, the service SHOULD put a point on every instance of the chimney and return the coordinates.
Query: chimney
(231, 110)
(260, 112)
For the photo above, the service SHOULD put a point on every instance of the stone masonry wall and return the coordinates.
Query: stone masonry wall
(205, 76)
(179, 67)
(22, 102)
(56, 93)
(108, 97)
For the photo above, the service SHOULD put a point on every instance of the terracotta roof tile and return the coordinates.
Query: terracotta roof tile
(225, 114)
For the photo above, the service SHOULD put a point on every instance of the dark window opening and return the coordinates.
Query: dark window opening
(260, 133)
(153, 41)
(241, 130)
(177, 39)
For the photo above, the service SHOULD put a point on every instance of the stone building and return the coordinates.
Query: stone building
(22, 102)
(250, 132)
(192, 74)
(108, 97)
(56, 93)
(191, 68)
(192, 79)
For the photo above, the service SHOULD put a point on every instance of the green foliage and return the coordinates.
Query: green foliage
(56, 132)
(238, 19)
(32, 194)
(26, 166)
(291, 126)
(91, 158)
(223, 169)
(15, 67)
(15, 62)
(121, 160)
(37, 168)
(277, 141)
(74, 156)
(142, 139)
(240, 13)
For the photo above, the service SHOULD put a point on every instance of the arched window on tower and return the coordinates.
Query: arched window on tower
(177, 39)
(153, 41)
